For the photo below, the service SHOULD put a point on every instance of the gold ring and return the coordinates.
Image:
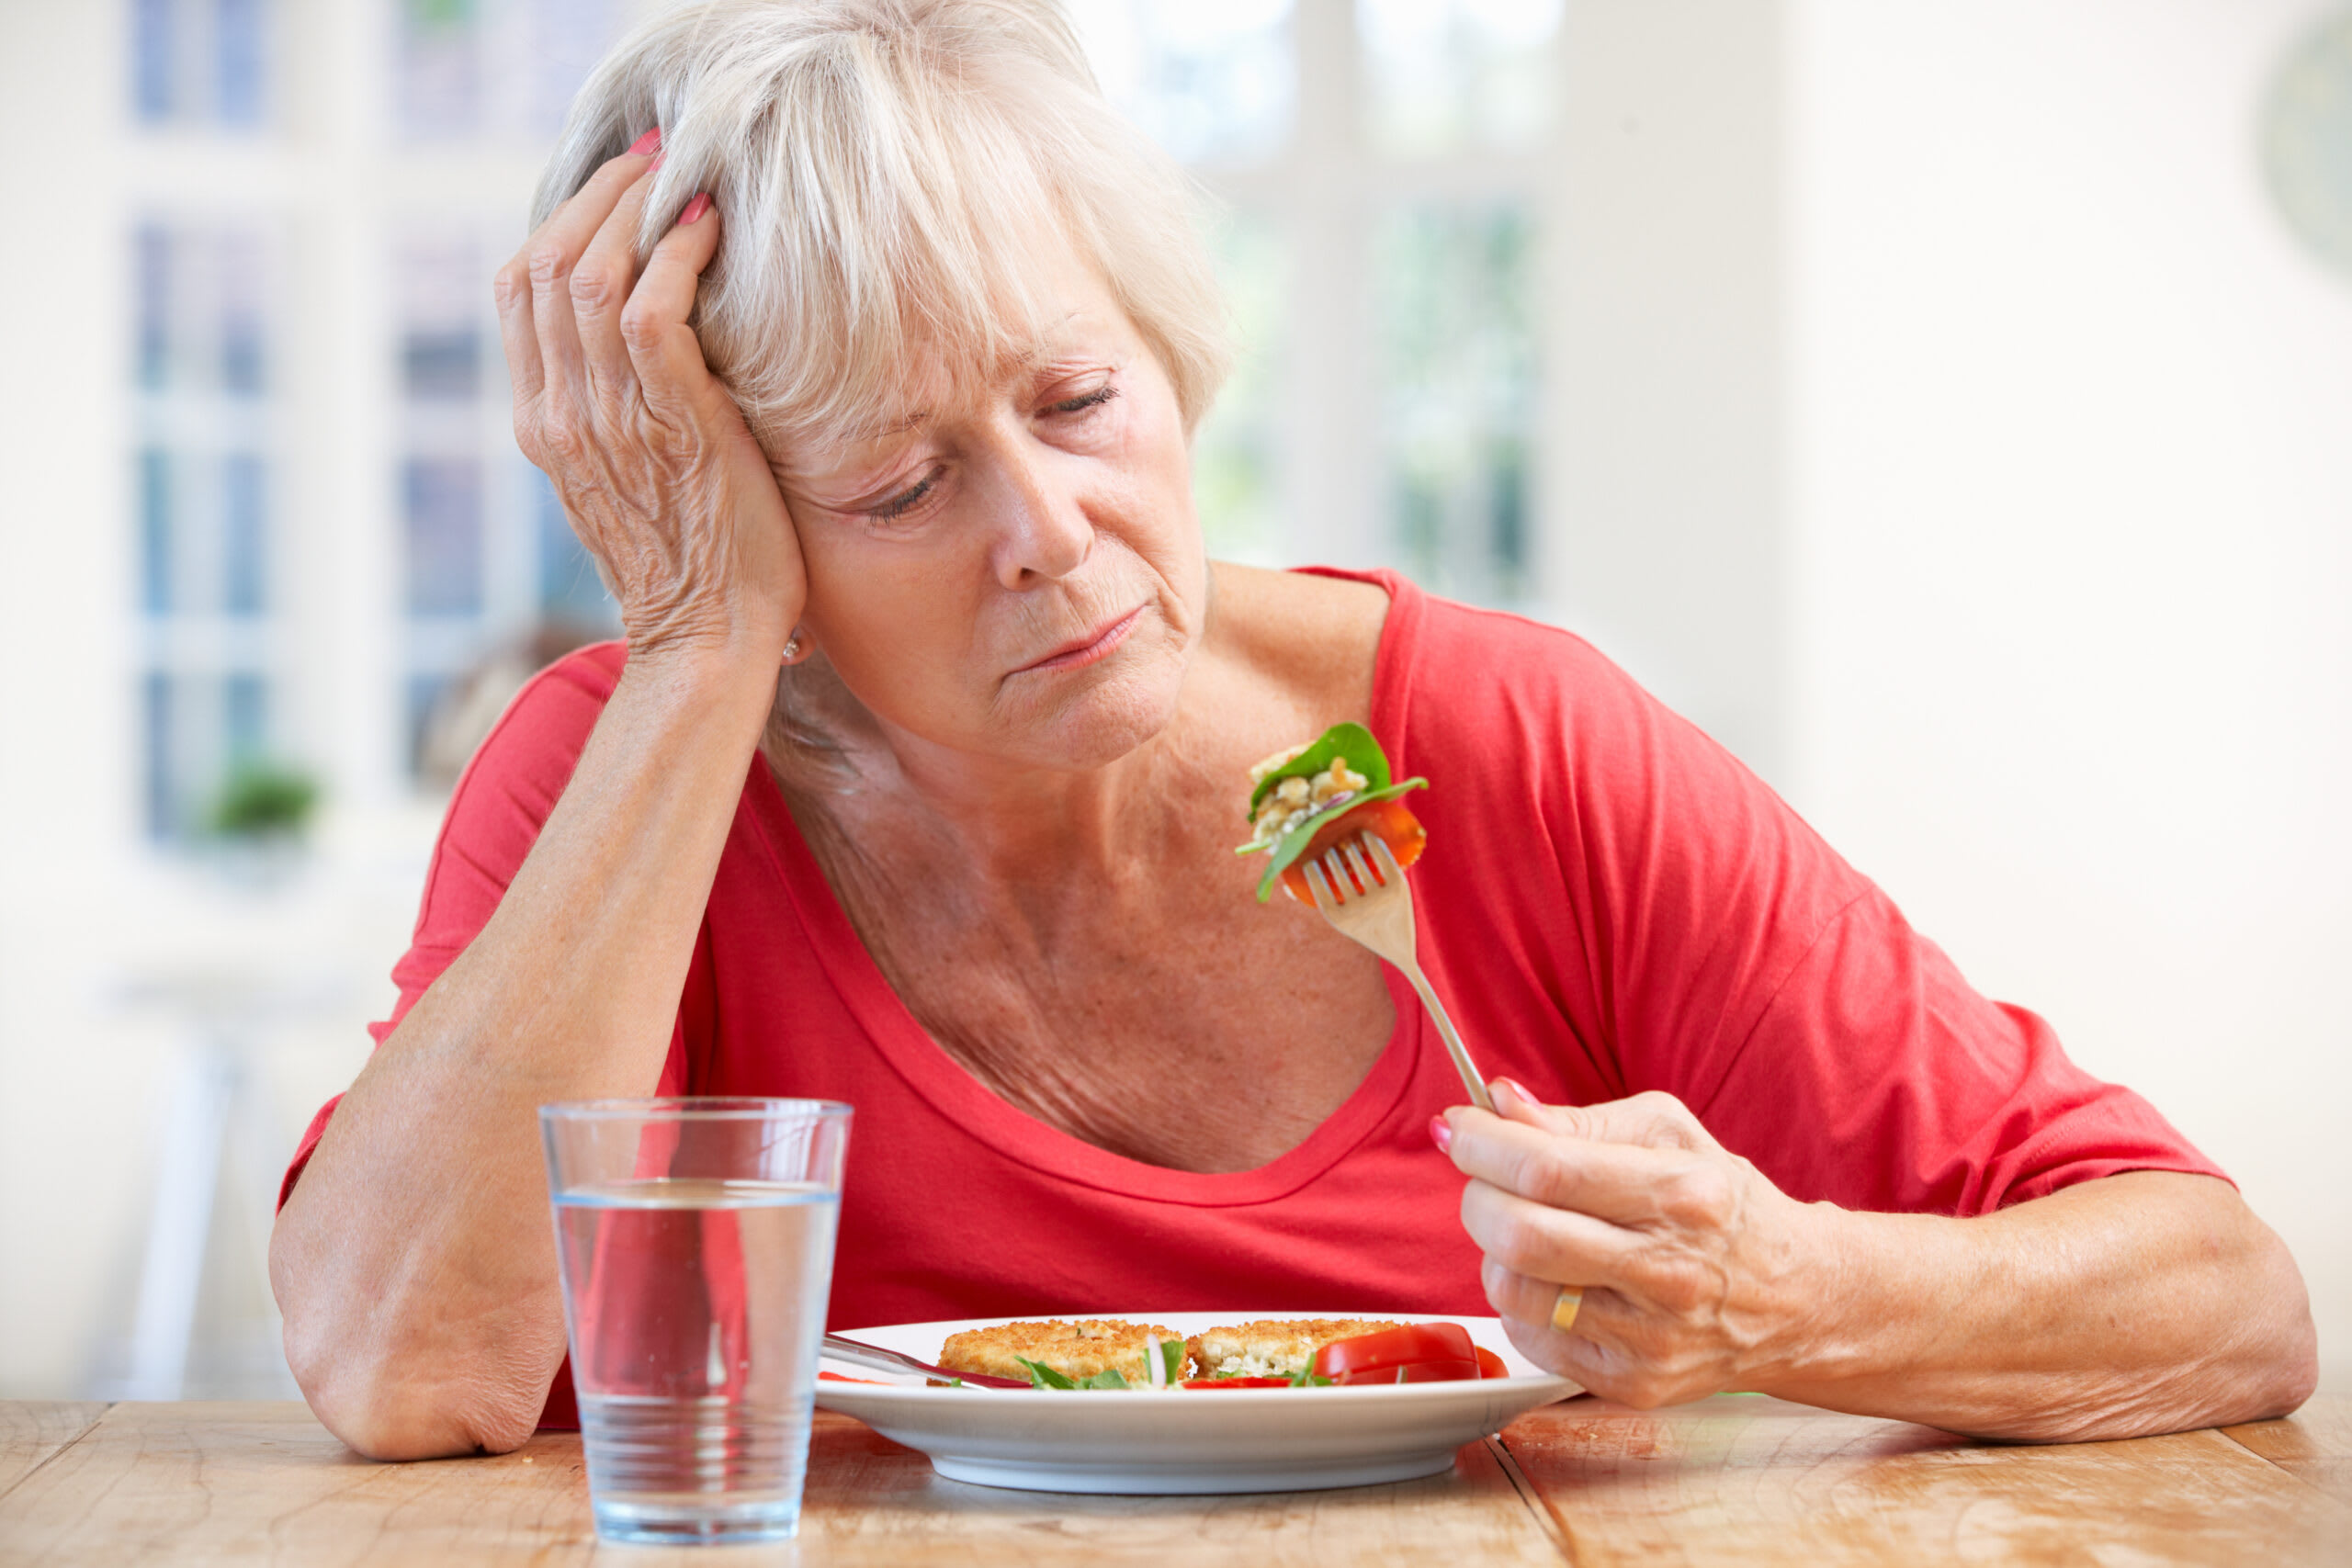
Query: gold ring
(1564, 1308)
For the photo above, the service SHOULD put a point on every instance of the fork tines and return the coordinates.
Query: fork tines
(1343, 873)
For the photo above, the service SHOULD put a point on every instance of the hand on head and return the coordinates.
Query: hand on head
(1694, 1268)
(649, 454)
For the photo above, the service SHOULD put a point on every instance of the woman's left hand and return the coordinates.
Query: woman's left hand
(1697, 1273)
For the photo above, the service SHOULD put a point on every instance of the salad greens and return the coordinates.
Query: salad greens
(1353, 741)
(1305, 1377)
(1363, 755)
(1172, 1360)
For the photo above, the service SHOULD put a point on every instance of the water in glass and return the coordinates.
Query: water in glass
(696, 1310)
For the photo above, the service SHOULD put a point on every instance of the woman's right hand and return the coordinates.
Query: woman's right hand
(648, 451)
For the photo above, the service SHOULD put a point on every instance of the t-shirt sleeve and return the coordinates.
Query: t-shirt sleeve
(1723, 952)
(502, 800)
(1876, 1074)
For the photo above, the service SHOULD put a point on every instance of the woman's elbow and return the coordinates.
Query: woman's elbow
(391, 1401)
(384, 1409)
(2259, 1357)
(2284, 1341)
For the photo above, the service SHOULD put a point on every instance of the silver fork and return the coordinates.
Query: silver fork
(1377, 912)
(858, 1353)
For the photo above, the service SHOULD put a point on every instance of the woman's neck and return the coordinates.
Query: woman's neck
(1012, 820)
(1007, 816)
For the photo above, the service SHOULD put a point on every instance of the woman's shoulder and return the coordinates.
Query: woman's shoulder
(512, 782)
(1466, 654)
(552, 713)
(1373, 643)
(1324, 628)
(506, 791)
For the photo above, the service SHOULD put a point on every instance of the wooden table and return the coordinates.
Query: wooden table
(1737, 1479)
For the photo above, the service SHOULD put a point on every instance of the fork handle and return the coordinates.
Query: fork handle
(1454, 1046)
(874, 1358)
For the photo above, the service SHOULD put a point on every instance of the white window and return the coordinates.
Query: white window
(200, 62)
(489, 568)
(204, 456)
(474, 71)
(1379, 163)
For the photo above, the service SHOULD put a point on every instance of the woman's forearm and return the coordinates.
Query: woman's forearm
(414, 1261)
(2148, 1301)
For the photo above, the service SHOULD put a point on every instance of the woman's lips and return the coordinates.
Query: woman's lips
(1082, 651)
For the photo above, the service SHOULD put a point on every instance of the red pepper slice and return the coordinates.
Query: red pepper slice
(1412, 1352)
(1491, 1365)
(1389, 820)
(1235, 1383)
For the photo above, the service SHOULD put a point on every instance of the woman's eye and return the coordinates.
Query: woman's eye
(1079, 404)
(899, 505)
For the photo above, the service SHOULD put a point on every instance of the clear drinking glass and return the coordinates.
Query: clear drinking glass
(697, 1242)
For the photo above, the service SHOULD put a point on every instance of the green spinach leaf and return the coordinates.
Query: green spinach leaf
(1044, 1376)
(1353, 741)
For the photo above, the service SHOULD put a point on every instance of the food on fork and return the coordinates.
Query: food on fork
(1311, 797)
(1092, 1352)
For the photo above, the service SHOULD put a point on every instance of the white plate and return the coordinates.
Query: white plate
(1270, 1439)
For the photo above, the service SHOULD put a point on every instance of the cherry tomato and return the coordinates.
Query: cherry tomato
(1413, 1352)
(1389, 820)
(1491, 1365)
(1236, 1383)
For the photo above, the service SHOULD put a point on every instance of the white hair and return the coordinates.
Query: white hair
(891, 175)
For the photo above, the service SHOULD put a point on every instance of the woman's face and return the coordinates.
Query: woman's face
(1016, 573)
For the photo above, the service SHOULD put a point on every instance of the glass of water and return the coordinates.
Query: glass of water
(697, 1242)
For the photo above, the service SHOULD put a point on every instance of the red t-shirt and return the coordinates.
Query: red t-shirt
(1610, 904)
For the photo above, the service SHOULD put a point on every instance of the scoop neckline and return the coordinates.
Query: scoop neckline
(953, 1092)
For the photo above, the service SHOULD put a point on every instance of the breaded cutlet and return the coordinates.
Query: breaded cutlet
(1078, 1350)
(1273, 1348)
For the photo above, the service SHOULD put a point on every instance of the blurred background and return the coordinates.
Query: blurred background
(1948, 404)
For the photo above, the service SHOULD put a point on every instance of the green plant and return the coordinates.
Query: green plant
(264, 800)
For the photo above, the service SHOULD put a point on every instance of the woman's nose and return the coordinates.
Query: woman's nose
(1045, 534)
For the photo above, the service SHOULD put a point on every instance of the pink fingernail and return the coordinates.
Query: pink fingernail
(1520, 1090)
(646, 143)
(1440, 1134)
(695, 209)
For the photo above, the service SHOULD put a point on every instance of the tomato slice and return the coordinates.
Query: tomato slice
(1235, 1383)
(1392, 820)
(1490, 1365)
(1412, 1352)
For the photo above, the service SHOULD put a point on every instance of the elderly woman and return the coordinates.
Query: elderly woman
(864, 344)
